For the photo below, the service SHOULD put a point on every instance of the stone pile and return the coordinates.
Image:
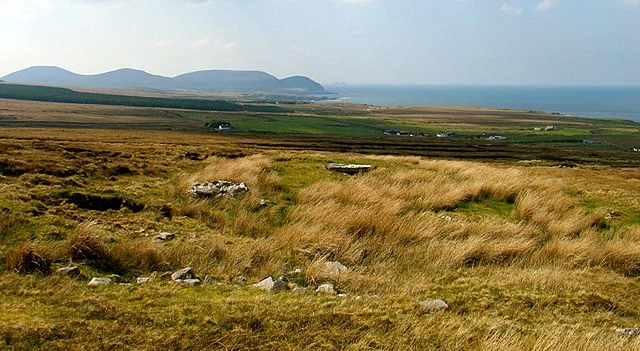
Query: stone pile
(218, 188)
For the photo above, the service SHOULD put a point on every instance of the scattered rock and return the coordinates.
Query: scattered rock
(326, 288)
(165, 275)
(189, 282)
(208, 280)
(433, 305)
(350, 169)
(343, 295)
(143, 280)
(266, 284)
(358, 298)
(69, 271)
(99, 281)
(166, 236)
(628, 331)
(184, 273)
(218, 188)
(447, 219)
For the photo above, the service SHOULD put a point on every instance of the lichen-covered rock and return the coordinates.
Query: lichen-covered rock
(218, 188)
(280, 284)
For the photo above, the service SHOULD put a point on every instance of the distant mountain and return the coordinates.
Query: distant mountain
(215, 81)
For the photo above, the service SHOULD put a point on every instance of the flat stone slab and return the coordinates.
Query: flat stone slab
(184, 273)
(143, 280)
(218, 188)
(350, 169)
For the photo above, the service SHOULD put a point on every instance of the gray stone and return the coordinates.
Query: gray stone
(189, 282)
(350, 169)
(266, 284)
(628, 331)
(326, 288)
(143, 280)
(69, 271)
(184, 273)
(99, 281)
(433, 305)
(280, 285)
(343, 295)
(166, 236)
(218, 188)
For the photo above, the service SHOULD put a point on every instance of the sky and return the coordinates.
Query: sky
(557, 42)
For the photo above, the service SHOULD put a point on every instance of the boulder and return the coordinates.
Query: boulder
(116, 278)
(166, 236)
(69, 271)
(184, 273)
(433, 305)
(218, 188)
(628, 331)
(99, 281)
(350, 169)
(326, 288)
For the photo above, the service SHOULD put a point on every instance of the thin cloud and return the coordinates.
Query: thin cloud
(164, 43)
(511, 10)
(631, 2)
(547, 5)
(200, 43)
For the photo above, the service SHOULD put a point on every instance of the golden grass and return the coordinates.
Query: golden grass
(521, 259)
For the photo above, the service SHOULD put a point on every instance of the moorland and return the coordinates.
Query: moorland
(532, 241)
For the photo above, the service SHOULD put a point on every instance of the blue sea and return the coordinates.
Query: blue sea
(584, 101)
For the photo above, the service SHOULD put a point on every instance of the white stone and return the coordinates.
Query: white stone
(99, 281)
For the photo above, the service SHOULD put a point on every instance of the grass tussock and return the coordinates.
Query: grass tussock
(29, 259)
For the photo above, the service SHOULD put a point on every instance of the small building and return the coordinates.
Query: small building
(497, 137)
(446, 135)
(219, 126)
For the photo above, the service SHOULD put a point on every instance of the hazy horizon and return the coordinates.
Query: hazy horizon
(373, 42)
